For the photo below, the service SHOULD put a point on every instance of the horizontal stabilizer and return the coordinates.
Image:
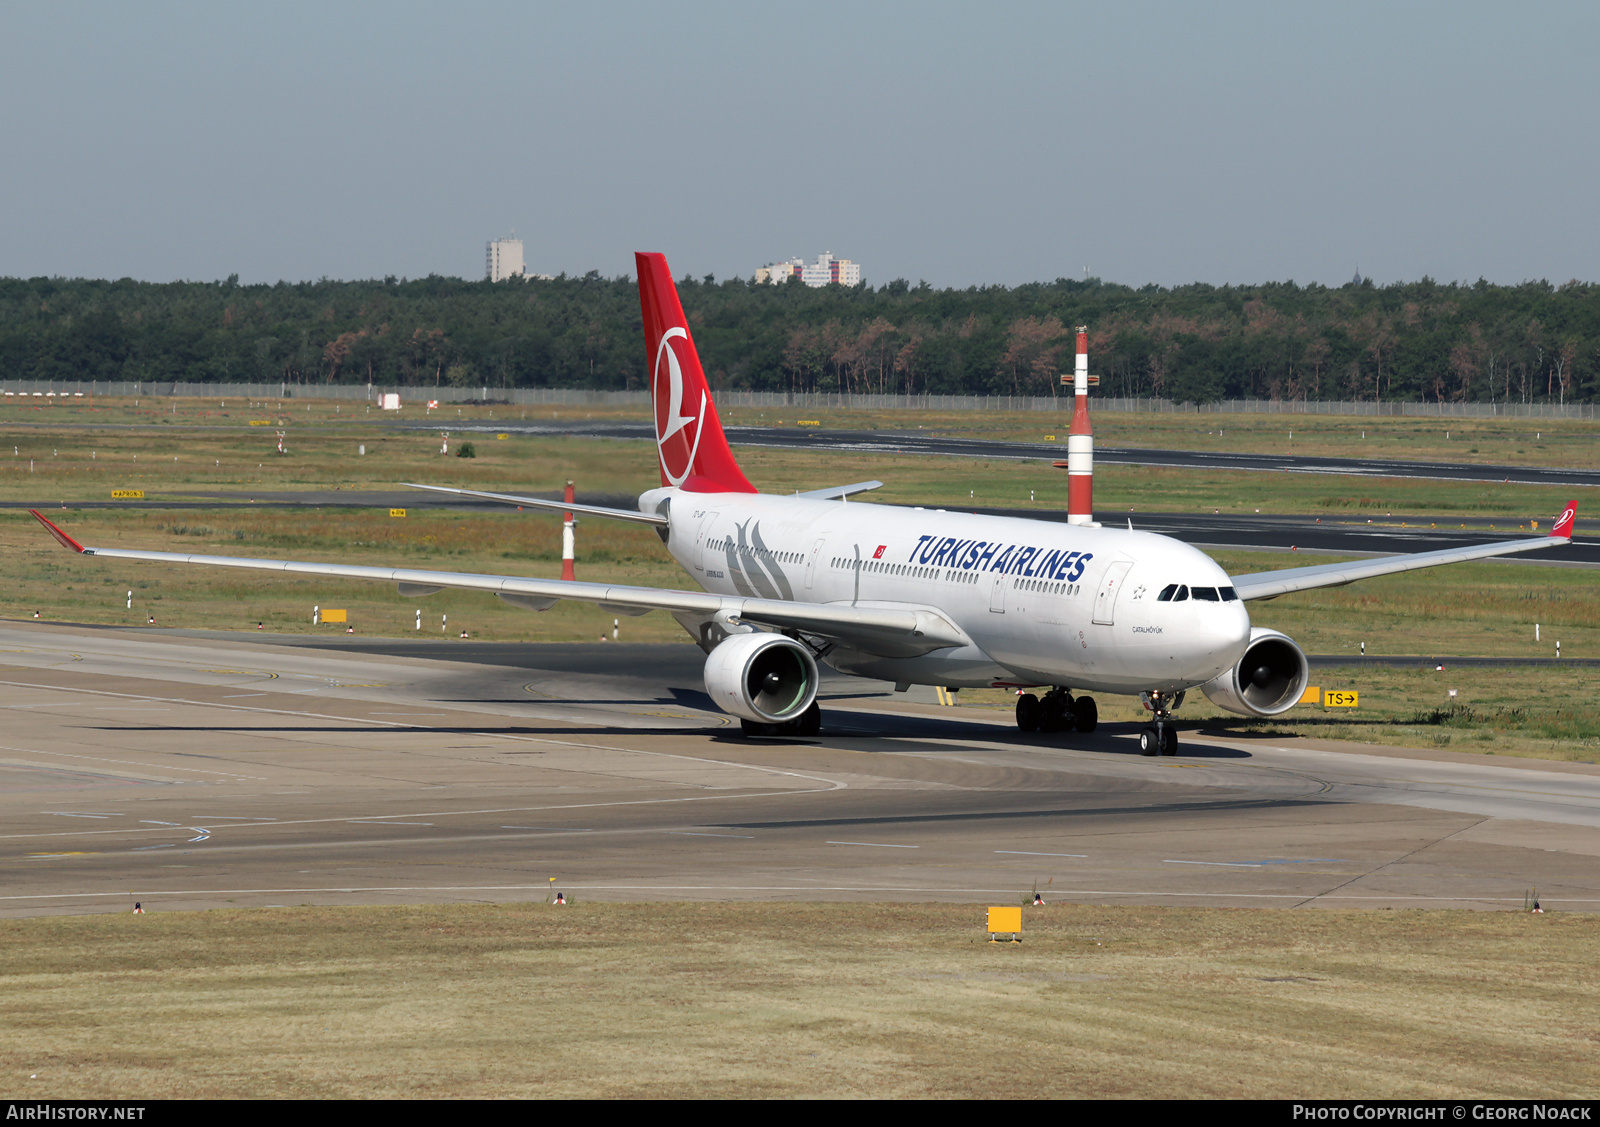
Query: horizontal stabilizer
(548, 505)
(835, 492)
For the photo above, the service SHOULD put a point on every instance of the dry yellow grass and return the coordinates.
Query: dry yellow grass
(776, 1000)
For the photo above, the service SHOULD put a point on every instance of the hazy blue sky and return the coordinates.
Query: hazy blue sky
(964, 144)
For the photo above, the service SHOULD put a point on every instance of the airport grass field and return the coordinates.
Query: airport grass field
(799, 1000)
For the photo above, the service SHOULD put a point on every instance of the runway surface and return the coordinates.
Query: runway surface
(198, 771)
(952, 446)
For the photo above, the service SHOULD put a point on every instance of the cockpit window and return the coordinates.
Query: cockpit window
(1167, 592)
(1229, 595)
(1205, 594)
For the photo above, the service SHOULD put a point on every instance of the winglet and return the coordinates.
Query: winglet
(1564, 522)
(65, 540)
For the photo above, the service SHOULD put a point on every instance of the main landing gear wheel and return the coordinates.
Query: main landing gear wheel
(1055, 712)
(1169, 741)
(1029, 712)
(1085, 716)
(808, 723)
(1147, 742)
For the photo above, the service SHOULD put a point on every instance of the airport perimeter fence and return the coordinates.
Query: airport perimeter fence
(796, 401)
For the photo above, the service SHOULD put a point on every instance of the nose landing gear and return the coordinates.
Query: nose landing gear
(1160, 738)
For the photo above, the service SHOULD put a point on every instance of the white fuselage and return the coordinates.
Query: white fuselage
(1044, 603)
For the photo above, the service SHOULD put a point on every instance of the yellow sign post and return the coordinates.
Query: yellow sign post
(397, 512)
(1005, 921)
(1341, 698)
(127, 494)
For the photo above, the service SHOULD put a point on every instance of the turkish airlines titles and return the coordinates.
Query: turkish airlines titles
(1007, 559)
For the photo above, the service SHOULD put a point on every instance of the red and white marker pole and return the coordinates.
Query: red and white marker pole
(568, 541)
(1080, 442)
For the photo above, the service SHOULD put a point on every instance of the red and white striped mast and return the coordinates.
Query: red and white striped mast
(568, 541)
(1080, 443)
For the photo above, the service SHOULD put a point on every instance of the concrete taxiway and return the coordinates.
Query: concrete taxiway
(956, 446)
(184, 771)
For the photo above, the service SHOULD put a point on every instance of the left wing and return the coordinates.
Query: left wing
(1271, 584)
(889, 631)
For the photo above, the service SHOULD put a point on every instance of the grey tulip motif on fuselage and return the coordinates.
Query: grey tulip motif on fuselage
(753, 568)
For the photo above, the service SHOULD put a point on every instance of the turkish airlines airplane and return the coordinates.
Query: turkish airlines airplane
(908, 595)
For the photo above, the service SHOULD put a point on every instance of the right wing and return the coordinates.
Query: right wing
(1271, 584)
(904, 631)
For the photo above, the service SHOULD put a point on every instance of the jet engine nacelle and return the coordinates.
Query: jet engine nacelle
(765, 678)
(1270, 678)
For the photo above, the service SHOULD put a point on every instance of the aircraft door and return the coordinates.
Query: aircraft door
(707, 523)
(997, 594)
(811, 564)
(1105, 600)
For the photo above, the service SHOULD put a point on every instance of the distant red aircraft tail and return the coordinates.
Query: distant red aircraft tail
(1564, 522)
(693, 451)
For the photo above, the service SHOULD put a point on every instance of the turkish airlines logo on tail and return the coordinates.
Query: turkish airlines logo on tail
(675, 443)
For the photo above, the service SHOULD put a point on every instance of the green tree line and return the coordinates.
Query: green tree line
(1531, 343)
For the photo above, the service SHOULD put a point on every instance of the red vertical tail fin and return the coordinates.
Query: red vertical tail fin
(1563, 525)
(692, 449)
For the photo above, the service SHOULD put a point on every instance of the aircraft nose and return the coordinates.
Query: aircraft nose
(1230, 636)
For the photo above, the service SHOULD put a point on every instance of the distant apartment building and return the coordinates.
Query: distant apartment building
(504, 260)
(824, 271)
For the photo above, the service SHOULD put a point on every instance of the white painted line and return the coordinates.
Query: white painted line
(69, 814)
(230, 818)
(875, 844)
(133, 763)
(1025, 853)
(370, 822)
(1222, 864)
(742, 837)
